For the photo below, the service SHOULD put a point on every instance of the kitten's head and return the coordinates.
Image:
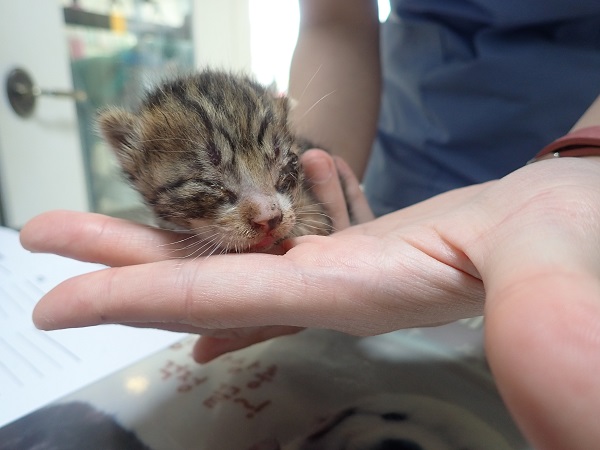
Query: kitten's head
(212, 153)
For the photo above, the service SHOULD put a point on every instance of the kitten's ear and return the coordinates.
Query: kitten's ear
(292, 103)
(120, 129)
(286, 101)
(288, 105)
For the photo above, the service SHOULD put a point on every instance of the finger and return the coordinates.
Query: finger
(357, 204)
(101, 239)
(538, 254)
(321, 172)
(318, 283)
(208, 348)
(212, 294)
(542, 340)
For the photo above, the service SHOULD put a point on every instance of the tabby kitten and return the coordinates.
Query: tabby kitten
(212, 153)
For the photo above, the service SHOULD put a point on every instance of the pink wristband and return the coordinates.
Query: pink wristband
(582, 142)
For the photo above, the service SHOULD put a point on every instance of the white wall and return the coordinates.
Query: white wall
(221, 33)
(41, 165)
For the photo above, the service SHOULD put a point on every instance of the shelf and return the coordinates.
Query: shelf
(79, 17)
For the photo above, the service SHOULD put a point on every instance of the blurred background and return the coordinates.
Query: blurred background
(62, 60)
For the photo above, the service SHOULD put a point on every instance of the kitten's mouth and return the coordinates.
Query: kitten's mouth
(266, 243)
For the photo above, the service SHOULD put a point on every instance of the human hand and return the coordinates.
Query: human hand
(528, 244)
(409, 246)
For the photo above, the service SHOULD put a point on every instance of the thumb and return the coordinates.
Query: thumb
(208, 348)
(543, 344)
(538, 256)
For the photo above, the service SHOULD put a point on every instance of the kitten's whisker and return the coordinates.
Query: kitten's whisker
(315, 204)
(201, 228)
(313, 224)
(210, 246)
(315, 104)
(314, 217)
(170, 230)
(191, 245)
(315, 208)
(311, 210)
(179, 241)
(200, 250)
(197, 233)
(216, 247)
(200, 242)
(309, 82)
(202, 246)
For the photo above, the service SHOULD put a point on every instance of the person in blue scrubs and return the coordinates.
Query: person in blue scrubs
(470, 90)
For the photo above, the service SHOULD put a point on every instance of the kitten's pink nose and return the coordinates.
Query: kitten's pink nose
(263, 213)
(268, 224)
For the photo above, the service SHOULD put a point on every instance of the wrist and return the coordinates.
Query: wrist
(580, 142)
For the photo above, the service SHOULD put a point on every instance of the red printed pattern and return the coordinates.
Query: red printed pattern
(249, 378)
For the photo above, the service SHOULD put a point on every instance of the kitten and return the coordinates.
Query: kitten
(213, 153)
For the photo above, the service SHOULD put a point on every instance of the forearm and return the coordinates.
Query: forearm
(335, 77)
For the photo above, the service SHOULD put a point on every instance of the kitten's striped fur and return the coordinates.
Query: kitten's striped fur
(213, 153)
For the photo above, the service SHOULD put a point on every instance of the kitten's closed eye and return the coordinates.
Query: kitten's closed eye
(289, 176)
(212, 154)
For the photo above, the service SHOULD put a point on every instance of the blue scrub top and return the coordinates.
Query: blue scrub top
(474, 88)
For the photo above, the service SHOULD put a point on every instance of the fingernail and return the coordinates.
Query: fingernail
(318, 169)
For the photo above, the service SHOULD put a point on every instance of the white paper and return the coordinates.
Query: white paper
(39, 367)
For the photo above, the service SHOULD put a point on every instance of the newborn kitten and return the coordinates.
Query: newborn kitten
(212, 153)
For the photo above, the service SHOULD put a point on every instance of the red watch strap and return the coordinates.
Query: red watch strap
(582, 142)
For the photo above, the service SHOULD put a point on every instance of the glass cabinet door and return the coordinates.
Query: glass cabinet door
(118, 50)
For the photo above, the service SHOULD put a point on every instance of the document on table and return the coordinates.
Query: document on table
(39, 367)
